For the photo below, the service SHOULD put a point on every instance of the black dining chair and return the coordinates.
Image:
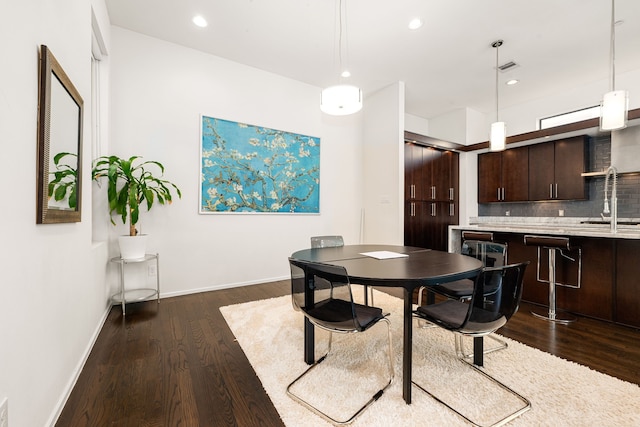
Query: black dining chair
(482, 246)
(323, 294)
(335, 242)
(496, 297)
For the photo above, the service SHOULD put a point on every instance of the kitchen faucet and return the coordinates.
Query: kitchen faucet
(611, 170)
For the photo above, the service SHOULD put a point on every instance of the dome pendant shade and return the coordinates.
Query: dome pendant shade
(497, 140)
(341, 100)
(613, 110)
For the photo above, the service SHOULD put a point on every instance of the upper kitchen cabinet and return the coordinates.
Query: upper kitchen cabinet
(555, 170)
(503, 176)
(430, 174)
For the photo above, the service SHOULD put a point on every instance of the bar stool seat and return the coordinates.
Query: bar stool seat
(552, 244)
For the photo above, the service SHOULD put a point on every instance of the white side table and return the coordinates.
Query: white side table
(133, 295)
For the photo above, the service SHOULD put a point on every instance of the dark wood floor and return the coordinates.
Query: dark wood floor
(177, 363)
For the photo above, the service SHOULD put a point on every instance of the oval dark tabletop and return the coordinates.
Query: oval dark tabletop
(420, 267)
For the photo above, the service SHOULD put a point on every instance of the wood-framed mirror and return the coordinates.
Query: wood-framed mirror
(60, 109)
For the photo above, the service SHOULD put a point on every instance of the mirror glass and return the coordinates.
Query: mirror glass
(59, 144)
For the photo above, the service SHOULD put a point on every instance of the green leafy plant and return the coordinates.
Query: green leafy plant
(65, 178)
(132, 183)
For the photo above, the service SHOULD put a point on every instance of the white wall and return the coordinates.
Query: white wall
(52, 291)
(416, 124)
(383, 157)
(159, 90)
(524, 117)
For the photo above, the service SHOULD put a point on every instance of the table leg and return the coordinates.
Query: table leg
(309, 336)
(406, 356)
(309, 340)
(478, 351)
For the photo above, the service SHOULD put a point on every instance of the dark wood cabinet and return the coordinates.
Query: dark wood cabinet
(609, 289)
(503, 176)
(431, 195)
(555, 170)
(627, 290)
(413, 171)
(489, 177)
(546, 171)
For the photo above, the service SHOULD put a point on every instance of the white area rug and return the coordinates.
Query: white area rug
(562, 393)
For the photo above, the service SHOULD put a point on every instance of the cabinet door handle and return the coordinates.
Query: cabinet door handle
(556, 190)
(433, 192)
(551, 191)
(452, 209)
(433, 209)
(451, 193)
(503, 199)
(413, 209)
(498, 197)
(413, 191)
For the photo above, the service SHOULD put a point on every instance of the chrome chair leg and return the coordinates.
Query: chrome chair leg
(462, 354)
(501, 422)
(375, 397)
(423, 324)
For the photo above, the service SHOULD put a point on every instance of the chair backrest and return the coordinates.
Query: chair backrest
(326, 241)
(496, 297)
(480, 245)
(329, 301)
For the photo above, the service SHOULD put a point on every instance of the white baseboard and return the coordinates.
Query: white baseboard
(78, 370)
(222, 286)
(76, 373)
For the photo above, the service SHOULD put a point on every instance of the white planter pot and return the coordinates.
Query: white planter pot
(133, 247)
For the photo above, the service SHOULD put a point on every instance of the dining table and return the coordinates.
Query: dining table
(406, 267)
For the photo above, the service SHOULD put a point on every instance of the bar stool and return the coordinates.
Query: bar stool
(554, 244)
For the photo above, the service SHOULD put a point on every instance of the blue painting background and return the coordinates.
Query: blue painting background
(246, 168)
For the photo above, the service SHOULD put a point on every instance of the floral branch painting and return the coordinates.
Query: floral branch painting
(247, 168)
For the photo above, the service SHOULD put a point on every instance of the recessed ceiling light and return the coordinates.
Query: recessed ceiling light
(513, 82)
(200, 21)
(346, 73)
(415, 23)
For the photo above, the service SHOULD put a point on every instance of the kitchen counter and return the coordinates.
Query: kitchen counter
(609, 267)
(628, 228)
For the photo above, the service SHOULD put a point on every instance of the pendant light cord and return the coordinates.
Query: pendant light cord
(612, 47)
(342, 22)
(497, 97)
(496, 44)
(340, 36)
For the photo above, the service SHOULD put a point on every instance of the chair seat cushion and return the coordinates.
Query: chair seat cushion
(337, 314)
(451, 314)
(458, 289)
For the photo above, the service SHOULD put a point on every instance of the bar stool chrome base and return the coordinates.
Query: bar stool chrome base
(563, 318)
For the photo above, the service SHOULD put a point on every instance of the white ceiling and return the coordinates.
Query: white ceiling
(446, 65)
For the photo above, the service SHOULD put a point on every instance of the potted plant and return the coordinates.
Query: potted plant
(132, 183)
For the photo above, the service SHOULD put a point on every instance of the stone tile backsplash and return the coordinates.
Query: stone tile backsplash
(599, 149)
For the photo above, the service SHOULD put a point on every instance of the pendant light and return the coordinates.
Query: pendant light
(497, 140)
(341, 99)
(614, 106)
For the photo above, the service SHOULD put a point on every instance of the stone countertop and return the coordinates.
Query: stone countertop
(628, 228)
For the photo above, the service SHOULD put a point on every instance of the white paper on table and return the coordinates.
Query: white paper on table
(384, 254)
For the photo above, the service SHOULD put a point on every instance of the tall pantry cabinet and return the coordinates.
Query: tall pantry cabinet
(431, 195)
